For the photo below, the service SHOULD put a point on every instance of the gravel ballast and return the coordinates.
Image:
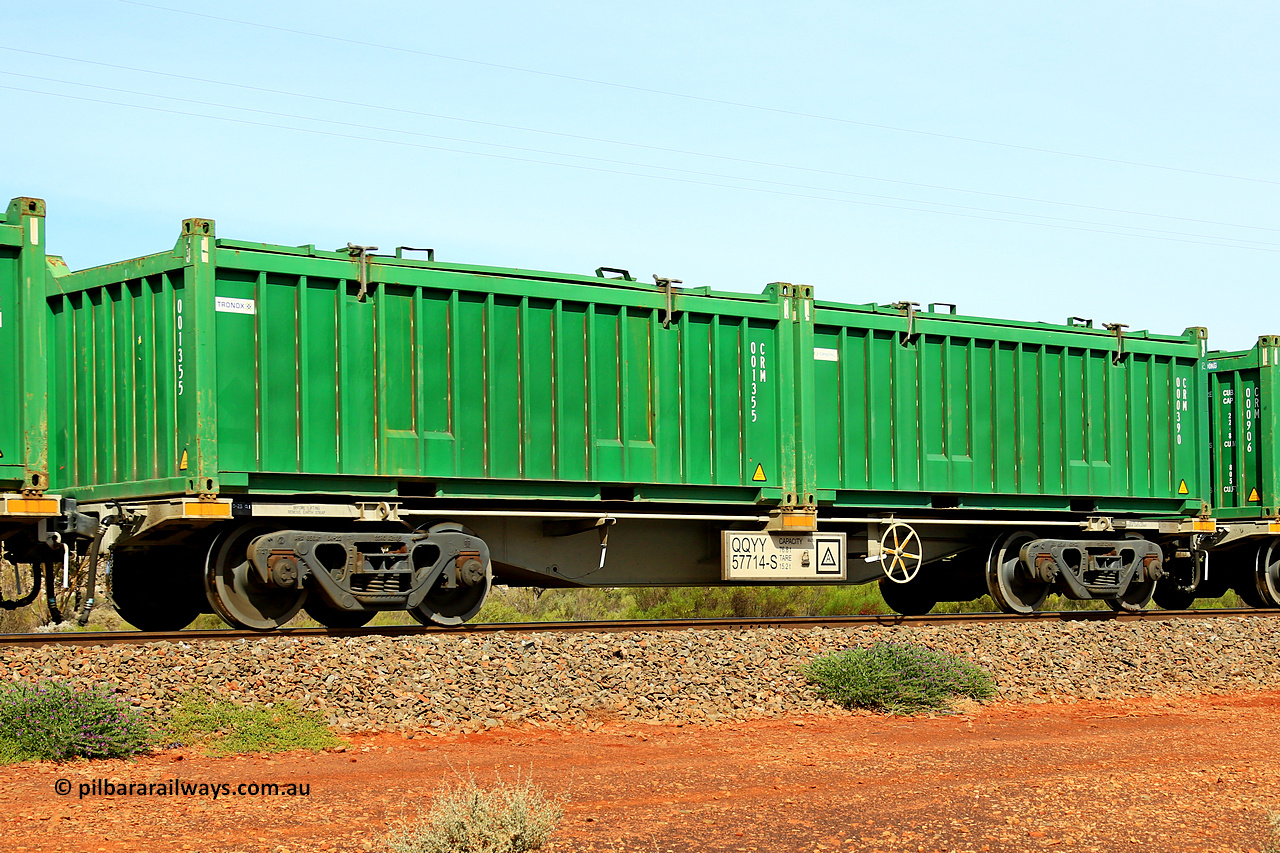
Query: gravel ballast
(451, 683)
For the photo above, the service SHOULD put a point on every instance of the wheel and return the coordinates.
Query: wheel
(909, 599)
(1267, 575)
(1181, 584)
(1216, 586)
(1249, 595)
(331, 617)
(1135, 598)
(234, 590)
(453, 606)
(1009, 581)
(901, 545)
(1228, 570)
(1173, 596)
(158, 589)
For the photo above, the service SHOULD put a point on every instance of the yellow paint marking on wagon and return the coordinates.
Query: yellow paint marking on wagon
(42, 506)
(758, 476)
(206, 508)
(1253, 495)
(1203, 526)
(1182, 488)
(182, 466)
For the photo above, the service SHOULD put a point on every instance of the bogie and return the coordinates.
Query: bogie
(157, 589)
(258, 577)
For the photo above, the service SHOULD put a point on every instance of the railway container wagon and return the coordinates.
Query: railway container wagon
(269, 428)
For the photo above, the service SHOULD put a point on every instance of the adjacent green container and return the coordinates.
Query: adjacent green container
(1243, 387)
(977, 413)
(23, 400)
(231, 367)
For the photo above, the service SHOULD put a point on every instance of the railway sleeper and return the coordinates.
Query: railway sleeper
(1094, 569)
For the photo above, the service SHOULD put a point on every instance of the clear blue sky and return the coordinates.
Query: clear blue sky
(879, 151)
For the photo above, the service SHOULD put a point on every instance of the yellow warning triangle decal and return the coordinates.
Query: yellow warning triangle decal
(1253, 495)
(759, 476)
(1182, 488)
(182, 466)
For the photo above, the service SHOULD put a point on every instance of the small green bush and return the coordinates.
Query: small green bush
(224, 727)
(470, 819)
(51, 721)
(898, 678)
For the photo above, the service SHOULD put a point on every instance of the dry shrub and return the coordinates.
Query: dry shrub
(508, 818)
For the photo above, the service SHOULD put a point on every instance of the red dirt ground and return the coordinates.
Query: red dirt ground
(1150, 775)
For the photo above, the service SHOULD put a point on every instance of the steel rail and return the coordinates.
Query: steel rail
(97, 638)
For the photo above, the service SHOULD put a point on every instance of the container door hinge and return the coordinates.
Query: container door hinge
(1118, 330)
(910, 335)
(360, 254)
(665, 284)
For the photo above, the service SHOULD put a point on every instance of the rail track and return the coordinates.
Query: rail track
(100, 638)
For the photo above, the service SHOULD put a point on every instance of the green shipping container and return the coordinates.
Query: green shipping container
(232, 367)
(23, 400)
(934, 410)
(1242, 394)
(246, 368)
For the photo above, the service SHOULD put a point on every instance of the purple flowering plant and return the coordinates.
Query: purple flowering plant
(52, 721)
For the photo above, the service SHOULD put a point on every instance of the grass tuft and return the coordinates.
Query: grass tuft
(50, 721)
(1272, 843)
(223, 727)
(508, 818)
(898, 678)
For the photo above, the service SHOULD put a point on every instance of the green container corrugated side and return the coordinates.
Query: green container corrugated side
(23, 399)
(982, 413)
(1246, 437)
(235, 367)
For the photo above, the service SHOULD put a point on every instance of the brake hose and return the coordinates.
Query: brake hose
(23, 601)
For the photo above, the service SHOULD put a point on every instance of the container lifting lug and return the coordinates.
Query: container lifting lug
(1118, 330)
(910, 335)
(665, 284)
(622, 275)
(360, 254)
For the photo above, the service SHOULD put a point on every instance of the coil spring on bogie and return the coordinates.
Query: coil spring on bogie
(1103, 576)
(381, 583)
